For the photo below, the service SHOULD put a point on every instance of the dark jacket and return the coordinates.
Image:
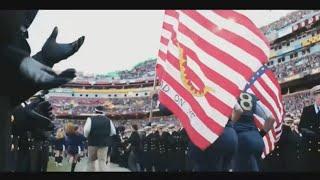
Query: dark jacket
(73, 142)
(58, 144)
(310, 121)
(100, 132)
(310, 128)
(134, 140)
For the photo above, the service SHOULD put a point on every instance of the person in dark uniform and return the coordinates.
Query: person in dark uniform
(142, 135)
(124, 152)
(145, 157)
(26, 75)
(162, 153)
(154, 147)
(310, 128)
(289, 147)
(185, 163)
(39, 153)
(116, 147)
(195, 159)
(31, 123)
(170, 149)
(286, 157)
(180, 145)
(83, 143)
(250, 143)
(13, 152)
(134, 142)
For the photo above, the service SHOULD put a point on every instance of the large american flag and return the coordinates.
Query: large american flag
(206, 58)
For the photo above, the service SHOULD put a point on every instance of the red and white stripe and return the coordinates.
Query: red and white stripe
(223, 49)
(267, 89)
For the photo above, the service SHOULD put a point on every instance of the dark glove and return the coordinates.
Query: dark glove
(43, 76)
(53, 52)
(45, 109)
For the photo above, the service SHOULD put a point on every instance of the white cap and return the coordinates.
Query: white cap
(161, 125)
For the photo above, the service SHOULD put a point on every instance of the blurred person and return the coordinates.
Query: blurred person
(310, 128)
(168, 142)
(59, 146)
(82, 146)
(74, 141)
(30, 121)
(250, 142)
(290, 146)
(40, 151)
(135, 149)
(161, 154)
(171, 149)
(142, 134)
(285, 157)
(98, 130)
(154, 146)
(116, 147)
(146, 155)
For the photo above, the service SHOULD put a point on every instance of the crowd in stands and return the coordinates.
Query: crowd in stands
(77, 106)
(295, 102)
(286, 20)
(296, 66)
(143, 70)
(282, 70)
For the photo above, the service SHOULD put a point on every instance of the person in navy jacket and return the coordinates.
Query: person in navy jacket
(74, 142)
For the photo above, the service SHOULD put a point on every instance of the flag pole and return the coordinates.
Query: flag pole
(153, 89)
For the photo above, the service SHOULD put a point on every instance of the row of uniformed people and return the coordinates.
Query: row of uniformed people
(163, 148)
(157, 148)
(30, 136)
